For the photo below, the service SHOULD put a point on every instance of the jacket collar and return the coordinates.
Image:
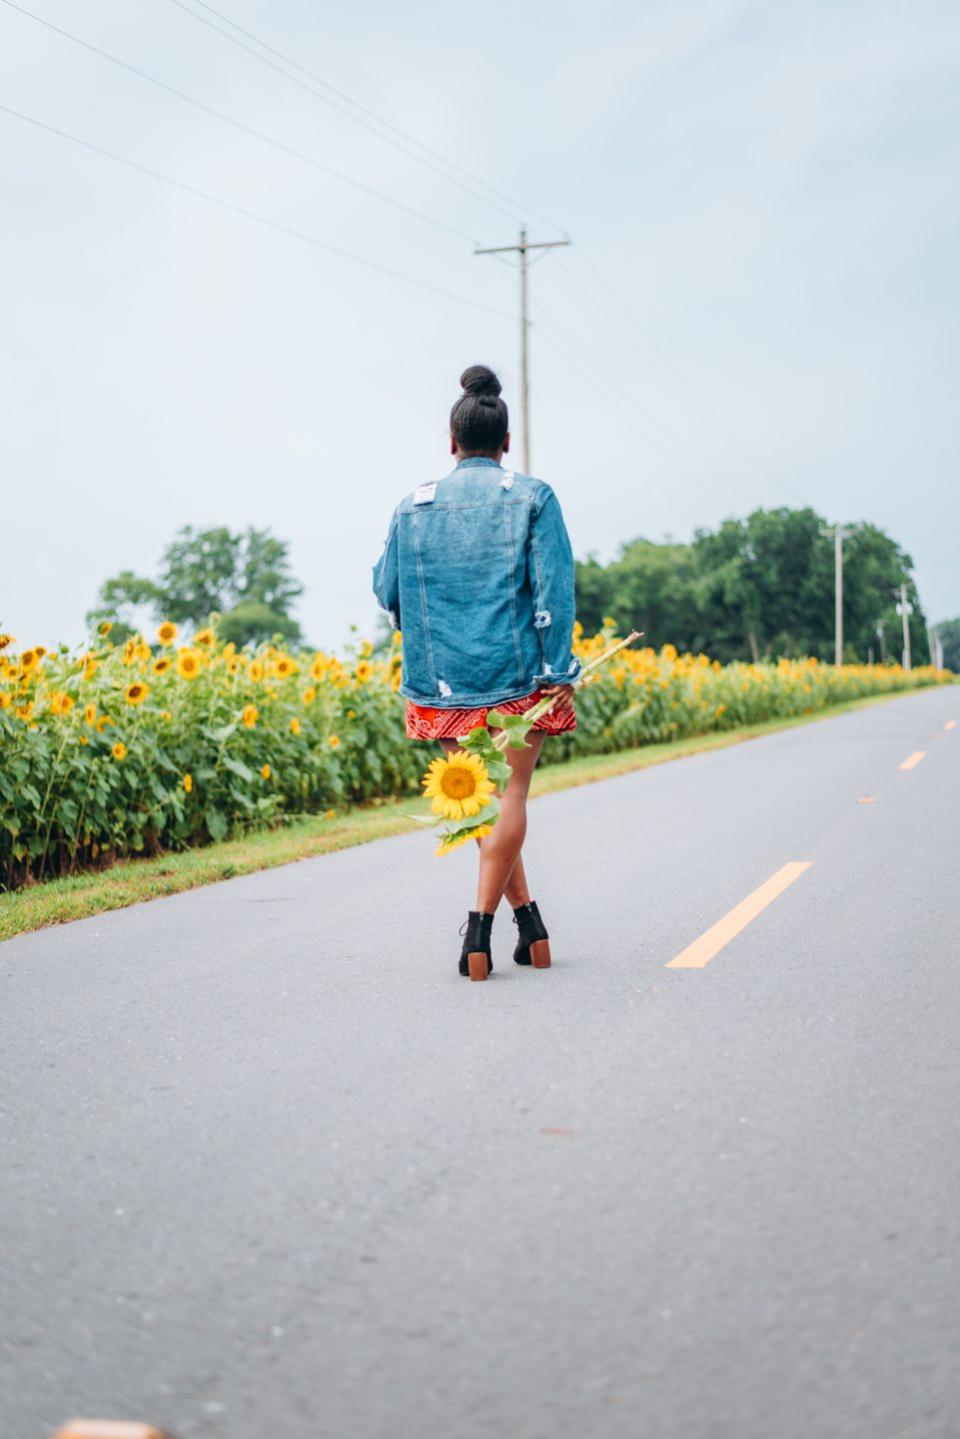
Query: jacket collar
(477, 460)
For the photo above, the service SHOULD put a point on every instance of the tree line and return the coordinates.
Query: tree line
(755, 587)
(759, 587)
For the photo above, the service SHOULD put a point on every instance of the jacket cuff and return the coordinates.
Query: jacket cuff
(551, 676)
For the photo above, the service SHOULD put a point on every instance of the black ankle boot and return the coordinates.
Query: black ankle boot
(475, 959)
(533, 942)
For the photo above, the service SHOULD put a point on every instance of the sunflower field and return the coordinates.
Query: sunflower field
(119, 750)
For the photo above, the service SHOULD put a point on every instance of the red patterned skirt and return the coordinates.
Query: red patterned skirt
(424, 723)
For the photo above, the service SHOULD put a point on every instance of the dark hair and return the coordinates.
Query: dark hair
(479, 420)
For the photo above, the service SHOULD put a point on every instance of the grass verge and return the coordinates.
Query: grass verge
(131, 881)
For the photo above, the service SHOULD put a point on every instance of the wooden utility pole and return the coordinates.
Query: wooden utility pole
(839, 534)
(905, 609)
(521, 248)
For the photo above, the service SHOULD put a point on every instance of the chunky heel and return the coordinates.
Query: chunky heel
(475, 958)
(540, 954)
(478, 965)
(533, 942)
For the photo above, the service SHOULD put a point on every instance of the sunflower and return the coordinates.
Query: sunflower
(90, 714)
(136, 693)
(459, 839)
(309, 695)
(294, 726)
(143, 651)
(330, 814)
(60, 703)
(119, 750)
(366, 650)
(167, 632)
(188, 782)
(351, 714)
(25, 711)
(459, 786)
(161, 665)
(105, 629)
(256, 671)
(29, 661)
(188, 664)
(6, 699)
(102, 723)
(363, 672)
(284, 667)
(130, 651)
(318, 666)
(398, 637)
(89, 663)
(203, 637)
(250, 715)
(5, 640)
(265, 772)
(334, 741)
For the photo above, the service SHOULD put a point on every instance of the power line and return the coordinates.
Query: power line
(607, 397)
(636, 404)
(365, 110)
(289, 230)
(312, 89)
(241, 125)
(693, 395)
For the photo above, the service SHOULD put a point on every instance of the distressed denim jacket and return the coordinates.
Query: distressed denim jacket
(477, 571)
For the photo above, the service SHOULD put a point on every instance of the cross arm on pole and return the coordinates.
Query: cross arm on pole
(526, 245)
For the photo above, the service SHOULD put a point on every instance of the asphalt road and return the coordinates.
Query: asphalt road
(271, 1169)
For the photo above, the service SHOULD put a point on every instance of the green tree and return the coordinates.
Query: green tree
(118, 601)
(950, 635)
(243, 577)
(762, 585)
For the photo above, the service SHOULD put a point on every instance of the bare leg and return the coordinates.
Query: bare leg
(501, 864)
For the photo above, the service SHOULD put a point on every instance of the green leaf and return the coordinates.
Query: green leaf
(487, 815)
(216, 824)
(237, 767)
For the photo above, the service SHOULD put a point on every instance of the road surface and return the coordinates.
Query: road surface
(271, 1169)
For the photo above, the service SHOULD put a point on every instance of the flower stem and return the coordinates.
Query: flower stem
(544, 706)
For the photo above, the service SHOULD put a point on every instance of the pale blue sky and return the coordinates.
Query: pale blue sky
(770, 189)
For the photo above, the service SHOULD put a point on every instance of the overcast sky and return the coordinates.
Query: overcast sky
(769, 189)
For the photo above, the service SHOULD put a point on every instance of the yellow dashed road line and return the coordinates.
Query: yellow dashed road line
(913, 760)
(700, 953)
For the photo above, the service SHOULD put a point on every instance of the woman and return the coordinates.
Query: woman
(477, 570)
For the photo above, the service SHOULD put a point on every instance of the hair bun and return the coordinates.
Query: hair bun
(479, 380)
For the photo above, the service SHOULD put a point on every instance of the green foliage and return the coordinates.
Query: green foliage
(254, 623)
(127, 750)
(757, 587)
(244, 578)
(950, 635)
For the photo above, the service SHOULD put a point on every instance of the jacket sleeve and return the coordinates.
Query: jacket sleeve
(386, 576)
(551, 572)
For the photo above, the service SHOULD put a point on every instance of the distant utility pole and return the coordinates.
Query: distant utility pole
(905, 609)
(936, 646)
(521, 248)
(839, 534)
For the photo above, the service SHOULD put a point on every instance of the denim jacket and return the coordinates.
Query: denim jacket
(477, 571)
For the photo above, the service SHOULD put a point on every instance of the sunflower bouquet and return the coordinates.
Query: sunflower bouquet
(464, 786)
